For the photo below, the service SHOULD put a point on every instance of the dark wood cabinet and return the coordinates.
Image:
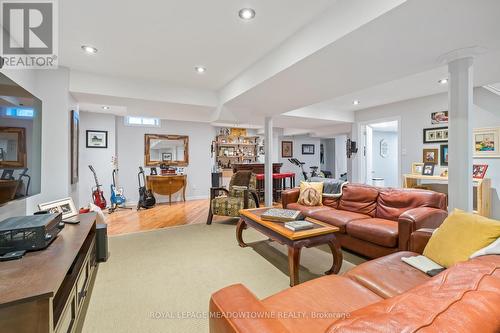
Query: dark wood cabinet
(45, 291)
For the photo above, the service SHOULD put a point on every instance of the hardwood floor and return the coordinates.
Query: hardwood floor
(161, 216)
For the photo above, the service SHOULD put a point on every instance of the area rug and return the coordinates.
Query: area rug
(161, 281)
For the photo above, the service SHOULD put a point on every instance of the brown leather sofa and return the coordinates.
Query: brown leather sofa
(382, 295)
(375, 221)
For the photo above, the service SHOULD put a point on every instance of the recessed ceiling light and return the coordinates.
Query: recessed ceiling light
(443, 81)
(355, 102)
(200, 69)
(246, 14)
(89, 49)
(105, 107)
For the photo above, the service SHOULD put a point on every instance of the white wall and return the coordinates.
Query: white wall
(340, 155)
(415, 115)
(385, 167)
(99, 158)
(51, 86)
(130, 151)
(310, 160)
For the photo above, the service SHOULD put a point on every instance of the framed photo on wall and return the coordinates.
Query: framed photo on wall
(440, 117)
(479, 171)
(74, 144)
(97, 139)
(443, 154)
(430, 156)
(165, 157)
(307, 149)
(287, 149)
(436, 135)
(486, 142)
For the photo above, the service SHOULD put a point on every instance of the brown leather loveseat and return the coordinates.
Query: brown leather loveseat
(381, 295)
(375, 221)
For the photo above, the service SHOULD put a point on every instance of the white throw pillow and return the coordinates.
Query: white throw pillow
(100, 218)
(493, 248)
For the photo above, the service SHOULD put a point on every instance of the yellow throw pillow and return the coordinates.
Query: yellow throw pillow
(460, 235)
(311, 194)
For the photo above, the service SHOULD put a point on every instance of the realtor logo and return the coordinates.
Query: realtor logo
(29, 35)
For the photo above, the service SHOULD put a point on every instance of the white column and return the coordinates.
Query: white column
(268, 167)
(460, 96)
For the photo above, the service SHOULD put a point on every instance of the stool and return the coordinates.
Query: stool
(260, 186)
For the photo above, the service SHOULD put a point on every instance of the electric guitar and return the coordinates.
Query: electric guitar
(146, 197)
(117, 197)
(97, 193)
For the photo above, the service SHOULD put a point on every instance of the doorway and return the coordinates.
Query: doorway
(380, 163)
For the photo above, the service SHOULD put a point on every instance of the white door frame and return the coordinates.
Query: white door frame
(362, 160)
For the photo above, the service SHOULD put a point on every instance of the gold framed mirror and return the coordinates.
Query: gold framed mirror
(12, 147)
(172, 150)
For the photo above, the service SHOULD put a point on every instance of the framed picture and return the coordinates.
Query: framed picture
(428, 169)
(166, 157)
(479, 171)
(74, 145)
(417, 168)
(440, 117)
(287, 149)
(430, 156)
(307, 149)
(65, 206)
(97, 139)
(436, 135)
(486, 142)
(443, 154)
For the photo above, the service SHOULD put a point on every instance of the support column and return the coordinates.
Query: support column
(268, 167)
(460, 97)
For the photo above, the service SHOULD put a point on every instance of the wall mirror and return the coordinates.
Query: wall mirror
(172, 150)
(12, 147)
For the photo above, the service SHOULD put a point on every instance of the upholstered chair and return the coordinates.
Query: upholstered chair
(241, 194)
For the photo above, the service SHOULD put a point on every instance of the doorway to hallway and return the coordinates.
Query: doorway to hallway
(381, 153)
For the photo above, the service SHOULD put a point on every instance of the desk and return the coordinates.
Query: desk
(481, 190)
(168, 185)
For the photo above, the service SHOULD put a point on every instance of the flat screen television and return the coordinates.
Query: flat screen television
(20, 142)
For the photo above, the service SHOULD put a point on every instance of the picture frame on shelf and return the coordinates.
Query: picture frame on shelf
(430, 156)
(443, 155)
(435, 135)
(166, 157)
(479, 171)
(417, 168)
(486, 142)
(65, 206)
(96, 139)
(286, 149)
(307, 149)
(428, 169)
(440, 117)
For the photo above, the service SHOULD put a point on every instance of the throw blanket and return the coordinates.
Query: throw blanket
(331, 187)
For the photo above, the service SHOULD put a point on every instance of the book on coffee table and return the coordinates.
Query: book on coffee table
(299, 225)
(280, 215)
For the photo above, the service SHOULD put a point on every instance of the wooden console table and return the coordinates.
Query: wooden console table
(482, 190)
(168, 185)
(45, 291)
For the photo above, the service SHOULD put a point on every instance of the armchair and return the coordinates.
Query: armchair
(240, 195)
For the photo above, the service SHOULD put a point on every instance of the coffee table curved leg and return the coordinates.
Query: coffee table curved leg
(239, 233)
(293, 265)
(337, 256)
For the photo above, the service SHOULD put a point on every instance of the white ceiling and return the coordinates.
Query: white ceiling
(303, 62)
(166, 39)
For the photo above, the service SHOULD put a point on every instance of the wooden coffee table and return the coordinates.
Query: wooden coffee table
(322, 233)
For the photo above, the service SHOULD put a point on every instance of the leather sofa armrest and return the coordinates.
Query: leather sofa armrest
(418, 218)
(289, 196)
(419, 239)
(235, 309)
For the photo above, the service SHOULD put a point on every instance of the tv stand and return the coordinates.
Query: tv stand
(46, 291)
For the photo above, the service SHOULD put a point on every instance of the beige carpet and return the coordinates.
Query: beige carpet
(175, 270)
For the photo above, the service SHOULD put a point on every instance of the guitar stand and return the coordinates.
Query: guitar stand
(114, 207)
